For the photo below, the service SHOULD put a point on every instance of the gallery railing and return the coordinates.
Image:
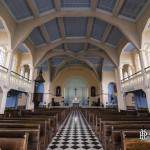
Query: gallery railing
(135, 81)
(16, 80)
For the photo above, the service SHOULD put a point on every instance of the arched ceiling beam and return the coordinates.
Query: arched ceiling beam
(128, 28)
(142, 22)
(9, 24)
(63, 65)
(42, 51)
(70, 55)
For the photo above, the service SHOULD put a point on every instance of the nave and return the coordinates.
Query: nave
(75, 133)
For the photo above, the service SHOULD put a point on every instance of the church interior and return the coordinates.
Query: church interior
(74, 74)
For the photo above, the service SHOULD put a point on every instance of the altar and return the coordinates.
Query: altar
(75, 102)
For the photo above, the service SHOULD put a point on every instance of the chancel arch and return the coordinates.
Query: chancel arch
(76, 82)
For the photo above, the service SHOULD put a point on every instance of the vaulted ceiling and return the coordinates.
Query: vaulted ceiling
(76, 27)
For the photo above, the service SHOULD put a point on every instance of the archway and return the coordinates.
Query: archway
(136, 100)
(112, 90)
(76, 88)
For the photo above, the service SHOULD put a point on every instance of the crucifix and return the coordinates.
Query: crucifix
(75, 91)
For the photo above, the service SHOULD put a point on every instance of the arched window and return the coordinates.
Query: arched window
(58, 91)
(93, 91)
(25, 71)
(127, 71)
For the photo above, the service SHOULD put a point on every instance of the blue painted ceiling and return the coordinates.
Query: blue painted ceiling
(132, 8)
(37, 37)
(44, 5)
(94, 60)
(107, 5)
(98, 29)
(22, 48)
(75, 47)
(52, 29)
(129, 48)
(56, 61)
(114, 36)
(20, 9)
(75, 3)
(75, 26)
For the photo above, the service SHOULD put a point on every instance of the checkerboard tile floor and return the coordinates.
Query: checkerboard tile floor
(75, 134)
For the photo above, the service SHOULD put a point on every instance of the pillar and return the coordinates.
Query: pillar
(10, 64)
(148, 98)
(22, 71)
(101, 92)
(121, 102)
(3, 101)
(29, 103)
(143, 68)
(145, 80)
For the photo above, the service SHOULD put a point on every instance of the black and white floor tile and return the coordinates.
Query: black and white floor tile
(75, 134)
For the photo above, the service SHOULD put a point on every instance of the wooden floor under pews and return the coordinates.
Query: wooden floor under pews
(27, 130)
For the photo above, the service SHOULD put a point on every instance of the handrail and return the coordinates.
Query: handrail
(20, 76)
(131, 75)
(135, 74)
(6, 69)
(147, 68)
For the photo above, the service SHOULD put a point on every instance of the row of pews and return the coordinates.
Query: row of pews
(27, 130)
(119, 130)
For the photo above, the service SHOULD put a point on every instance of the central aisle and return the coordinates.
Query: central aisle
(75, 133)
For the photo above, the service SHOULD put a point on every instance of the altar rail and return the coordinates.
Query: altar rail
(17, 81)
(135, 81)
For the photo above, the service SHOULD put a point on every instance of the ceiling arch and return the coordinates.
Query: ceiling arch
(45, 25)
(34, 13)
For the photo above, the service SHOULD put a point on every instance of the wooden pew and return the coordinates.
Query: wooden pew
(131, 142)
(13, 141)
(116, 139)
(33, 140)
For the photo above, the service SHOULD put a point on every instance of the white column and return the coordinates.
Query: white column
(22, 71)
(145, 80)
(5, 91)
(121, 73)
(29, 103)
(10, 64)
(31, 73)
(148, 98)
(121, 102)
(143, 68)
(101, 92)
(3, 101)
